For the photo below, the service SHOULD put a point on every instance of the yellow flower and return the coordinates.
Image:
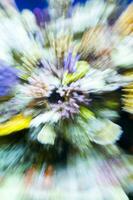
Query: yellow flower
(128, 94)
(16, 123)
(125, 23)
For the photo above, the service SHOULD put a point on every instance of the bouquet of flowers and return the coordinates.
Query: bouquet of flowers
(61, 74)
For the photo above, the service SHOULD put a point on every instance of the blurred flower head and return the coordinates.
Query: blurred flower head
(8, 79)
(67, 71)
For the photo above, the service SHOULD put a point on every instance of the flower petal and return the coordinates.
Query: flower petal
(47, 135)
(15, 124)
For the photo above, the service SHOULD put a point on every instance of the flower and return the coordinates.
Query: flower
(70, 62)
(16, 123)
(8, 79)
(63, 74)
(65, 104)
(40, 84)
(128, 94)
(124, 23)
(42, 17)
(104, 131)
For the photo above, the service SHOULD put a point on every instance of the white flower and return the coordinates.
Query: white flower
(47, 117)
(103, 131)
(47, 135)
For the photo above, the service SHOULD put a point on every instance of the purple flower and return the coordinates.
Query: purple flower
(70, 11)
(8, 78)
(42, 16)
(81, 98)
(66, 109)
(4, 90)
(70, 62)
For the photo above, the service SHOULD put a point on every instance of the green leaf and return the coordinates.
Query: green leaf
(76, 134)
(86, 113)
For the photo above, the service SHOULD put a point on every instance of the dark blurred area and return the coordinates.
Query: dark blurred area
(126, 122)
(31, 4)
